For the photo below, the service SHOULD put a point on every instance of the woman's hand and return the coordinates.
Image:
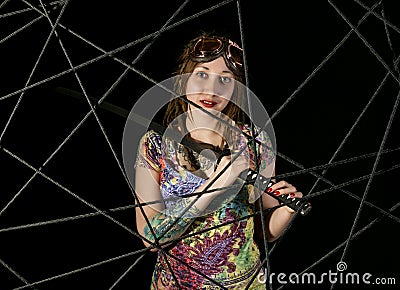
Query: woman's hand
(229, 176)
(284, 187)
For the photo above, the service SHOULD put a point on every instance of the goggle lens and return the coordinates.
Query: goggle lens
(207, 46)
(211, 46)
(236, 54)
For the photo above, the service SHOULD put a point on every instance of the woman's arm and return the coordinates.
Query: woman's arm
(166, 224)
(279, 219)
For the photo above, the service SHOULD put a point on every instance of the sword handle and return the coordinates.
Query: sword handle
(295, 203)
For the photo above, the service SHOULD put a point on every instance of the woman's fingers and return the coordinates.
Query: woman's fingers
(231, 173)
(241, 161)
(284, 187)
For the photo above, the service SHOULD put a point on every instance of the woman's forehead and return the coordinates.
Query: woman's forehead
(217, 65)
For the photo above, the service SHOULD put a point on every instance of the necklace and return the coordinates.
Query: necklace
(204, 161)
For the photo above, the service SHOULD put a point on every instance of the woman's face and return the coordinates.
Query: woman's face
(211, 85)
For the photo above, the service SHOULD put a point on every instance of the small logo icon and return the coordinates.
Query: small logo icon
(341, 266)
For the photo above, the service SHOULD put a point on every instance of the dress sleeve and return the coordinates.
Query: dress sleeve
(266, 151)
(149, 153)
(265, 147)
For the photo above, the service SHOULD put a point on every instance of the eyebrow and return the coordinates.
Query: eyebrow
(206, 68)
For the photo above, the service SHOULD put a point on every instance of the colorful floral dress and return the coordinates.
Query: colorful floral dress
(224, 250)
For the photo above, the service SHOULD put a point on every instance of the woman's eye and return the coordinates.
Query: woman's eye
(201, 74)
(225, 79)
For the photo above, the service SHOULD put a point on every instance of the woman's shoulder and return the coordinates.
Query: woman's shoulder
(248, 130)
(151, 136)
(266, 145)
(151, 141)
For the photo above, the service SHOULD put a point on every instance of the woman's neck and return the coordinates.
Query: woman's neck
(204, 128)
(207, 136)
(205, 133)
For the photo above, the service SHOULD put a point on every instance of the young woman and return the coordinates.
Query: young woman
(205, 235)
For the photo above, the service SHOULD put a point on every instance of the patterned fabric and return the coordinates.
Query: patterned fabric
(226, 254)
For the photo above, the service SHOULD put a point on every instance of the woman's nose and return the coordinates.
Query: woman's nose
(212, 86)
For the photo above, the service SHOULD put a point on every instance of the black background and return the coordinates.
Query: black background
(285, 44)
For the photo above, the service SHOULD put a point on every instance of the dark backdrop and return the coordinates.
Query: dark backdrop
(306, 67)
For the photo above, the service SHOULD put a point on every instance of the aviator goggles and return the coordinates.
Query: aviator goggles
(208, 48)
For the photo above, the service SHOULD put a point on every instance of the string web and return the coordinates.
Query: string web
(69, 223)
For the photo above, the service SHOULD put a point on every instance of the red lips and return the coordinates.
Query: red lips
(208, 104)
